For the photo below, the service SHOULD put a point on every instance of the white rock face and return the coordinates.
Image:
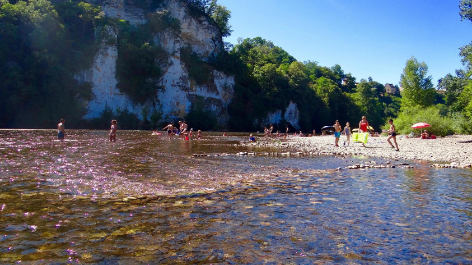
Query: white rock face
(199, 34)
(179, 91)
(102, 78)
(291, 116)
(117, 9)
(274, 117)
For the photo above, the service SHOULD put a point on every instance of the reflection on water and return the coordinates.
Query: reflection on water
(146, 199)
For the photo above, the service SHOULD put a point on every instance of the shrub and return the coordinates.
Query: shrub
(200, 118)
(460, 123)
(440, 125)
(162, 20)
(198, 70)
(127, 120)
(137, 65)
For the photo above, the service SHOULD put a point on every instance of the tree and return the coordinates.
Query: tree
(418, 88)
(453, 87)
(466, 9)
(368, 102)
(221, 16)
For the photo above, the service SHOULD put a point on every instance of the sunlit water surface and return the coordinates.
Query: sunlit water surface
(147, 199)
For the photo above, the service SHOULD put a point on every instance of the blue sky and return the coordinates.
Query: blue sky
(366, 37)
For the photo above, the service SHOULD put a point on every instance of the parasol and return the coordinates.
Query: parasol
(420, 125)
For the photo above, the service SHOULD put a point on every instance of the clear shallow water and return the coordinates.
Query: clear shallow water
(146, 199)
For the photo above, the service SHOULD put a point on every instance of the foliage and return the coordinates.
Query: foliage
(418, 88)
(156, 116)
(453, 87)
(221, 16)
(216, 13)
(146, 4)
(137, 65)
(159, 21)
(367, 100)
(269, 79)
(440, 125)
(460, 123)
(42, 46)
(392, 105)
(465, 7)
(127, 120)
(201, 118)
(198, 70)
(103, 121)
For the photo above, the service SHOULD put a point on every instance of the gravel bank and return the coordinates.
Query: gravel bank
(442, 150)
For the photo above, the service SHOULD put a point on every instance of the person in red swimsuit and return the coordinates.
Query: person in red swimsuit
(363, 125)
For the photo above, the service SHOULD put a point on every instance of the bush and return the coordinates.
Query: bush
(199, 118)
(162, 20)
(127, 120)
(137, 65)
(440, 125)
(198, 70)
(460, 123)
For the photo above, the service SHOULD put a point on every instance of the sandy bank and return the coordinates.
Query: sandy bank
(448, 149)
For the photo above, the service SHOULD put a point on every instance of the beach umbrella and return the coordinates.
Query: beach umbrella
(420, 125)
(327, 128)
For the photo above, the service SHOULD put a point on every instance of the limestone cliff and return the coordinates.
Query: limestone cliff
(179, 90)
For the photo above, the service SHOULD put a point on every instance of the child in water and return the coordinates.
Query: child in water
(252, 138)
(113, 131)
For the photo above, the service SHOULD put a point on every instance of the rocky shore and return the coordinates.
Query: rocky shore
(454, 150)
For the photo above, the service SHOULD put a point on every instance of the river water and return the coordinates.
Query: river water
(148, 200)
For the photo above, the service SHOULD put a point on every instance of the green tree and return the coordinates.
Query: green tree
(367, 100)
(221, 16)
(39, 54)
(418, 88)
(453, 87)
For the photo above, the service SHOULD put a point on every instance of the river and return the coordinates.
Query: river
(148, 200)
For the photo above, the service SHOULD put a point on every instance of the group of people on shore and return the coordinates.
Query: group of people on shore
(363, 128)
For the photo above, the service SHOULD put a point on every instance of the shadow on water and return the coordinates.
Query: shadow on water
(146, 199)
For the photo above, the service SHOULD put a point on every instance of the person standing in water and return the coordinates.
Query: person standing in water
(337, 132)
(393, 135)
(113, 129)
(347, 131)
(60, 130)
(170, 128)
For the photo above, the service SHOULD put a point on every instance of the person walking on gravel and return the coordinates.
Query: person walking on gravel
(393, 135)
